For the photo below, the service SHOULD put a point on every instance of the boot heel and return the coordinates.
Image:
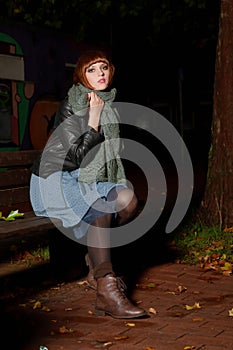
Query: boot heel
(99, 312)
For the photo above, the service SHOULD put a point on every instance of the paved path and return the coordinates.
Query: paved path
(64, 319)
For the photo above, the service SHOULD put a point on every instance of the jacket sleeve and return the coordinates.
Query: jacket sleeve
(75, 135)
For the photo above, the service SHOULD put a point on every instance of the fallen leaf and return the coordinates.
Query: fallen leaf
(11, 216)
(37, 305)
(149, 348)
(228, 229)
(46, 308)
(81, 283)
(109, 343)
(121, 337)
(152, 311)
(231, 312)
(130, 324)
(63, 330)
(146, 286)
(210, 266)
(195, 306)
(102, 341)
(227, 273)
(151, 285)
(189, 347)
(181, 289)
(68, 309)
(197, 319)
(28, 255)
(227, 268)
(32, 301)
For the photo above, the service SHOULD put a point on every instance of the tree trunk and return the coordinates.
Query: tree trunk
(217, 204)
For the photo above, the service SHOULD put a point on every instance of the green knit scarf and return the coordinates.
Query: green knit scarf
(106, 164)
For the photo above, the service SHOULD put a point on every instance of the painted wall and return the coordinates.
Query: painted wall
(36, 67)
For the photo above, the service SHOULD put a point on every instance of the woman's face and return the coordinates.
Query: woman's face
(97, 75)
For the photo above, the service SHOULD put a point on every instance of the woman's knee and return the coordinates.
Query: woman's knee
(126, 201)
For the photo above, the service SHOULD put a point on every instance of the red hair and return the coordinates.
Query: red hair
(85, 60)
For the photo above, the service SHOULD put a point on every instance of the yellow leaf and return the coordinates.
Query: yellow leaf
(37, 305)
(109, 343)
(151, 285)
(121, 337)
(63, 330)
(226, 267)
(189, 347)
(130, 324)
(46, 308)
(231, 312)
(152, 311)
(195, 306)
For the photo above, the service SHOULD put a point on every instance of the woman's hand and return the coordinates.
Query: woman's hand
(96, 106)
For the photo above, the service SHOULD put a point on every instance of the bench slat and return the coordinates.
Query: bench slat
(14, 178)
(15, 173)
(24, 226)
(9, 159)
(14, 196)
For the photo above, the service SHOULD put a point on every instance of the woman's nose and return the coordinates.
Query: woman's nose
(101, 72)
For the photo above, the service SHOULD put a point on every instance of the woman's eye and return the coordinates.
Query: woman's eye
(105, 67)
(90, 70)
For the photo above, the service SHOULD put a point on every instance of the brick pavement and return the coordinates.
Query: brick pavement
(65, 320)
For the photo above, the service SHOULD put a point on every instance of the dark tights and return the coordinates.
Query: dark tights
(98, 239)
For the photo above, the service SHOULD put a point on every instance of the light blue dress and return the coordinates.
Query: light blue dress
(76, 204)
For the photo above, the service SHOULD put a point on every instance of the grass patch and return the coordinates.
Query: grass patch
(41, 253)
(30, 256)
(208, 246)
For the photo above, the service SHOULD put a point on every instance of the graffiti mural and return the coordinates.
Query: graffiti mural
(36, 68)
(13, 100)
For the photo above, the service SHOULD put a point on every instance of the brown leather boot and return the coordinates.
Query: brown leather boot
(91, 281)
(90, 277)
(111, 300)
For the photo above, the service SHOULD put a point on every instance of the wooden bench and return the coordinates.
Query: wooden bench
(15, 172)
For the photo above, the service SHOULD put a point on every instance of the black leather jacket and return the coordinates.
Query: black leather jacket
(69, 143)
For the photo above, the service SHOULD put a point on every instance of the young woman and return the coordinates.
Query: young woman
(80, 178)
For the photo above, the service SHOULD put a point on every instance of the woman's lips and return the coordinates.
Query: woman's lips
(101, 81)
